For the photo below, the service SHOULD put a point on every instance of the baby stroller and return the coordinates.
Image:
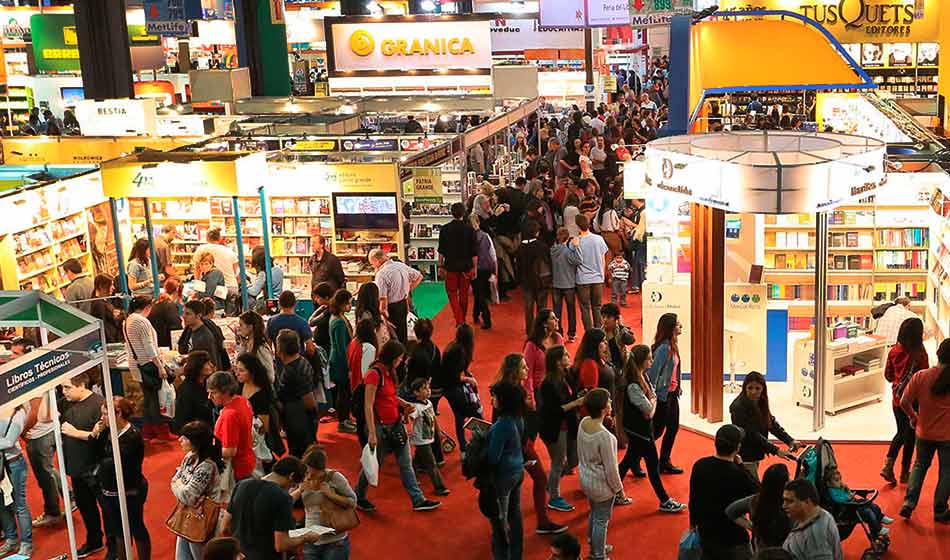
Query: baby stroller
(811, 464)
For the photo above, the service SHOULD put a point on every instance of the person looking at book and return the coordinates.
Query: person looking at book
(139, 269)
(325, 266)
(257, 291)
(207, 271)
(324, 486)
(224, 257)
(890, 323)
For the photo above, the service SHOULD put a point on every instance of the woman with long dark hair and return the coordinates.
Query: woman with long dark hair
(341, 331)
(750, 411)
(592, 367)
(191, 398)
(514, 370)
(766, 518)
(367, 307)
(251, 337)
(196, 478)
(930, 390)
(359, 358)
(103, 309)
(139, 269)
(256, 387)
(905, 358)
(664, 374)
(386, 433)
(558, 422)
(507, 463)
(456, 361)
(544, 335)
(635, 416)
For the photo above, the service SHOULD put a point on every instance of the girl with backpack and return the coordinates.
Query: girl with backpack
(386, 433)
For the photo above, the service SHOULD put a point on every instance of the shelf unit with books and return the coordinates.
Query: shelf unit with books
(294, 222)
(426, 217)
(191, 217)
(876, 252)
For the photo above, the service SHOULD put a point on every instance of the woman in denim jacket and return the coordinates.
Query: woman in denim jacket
(664, 374)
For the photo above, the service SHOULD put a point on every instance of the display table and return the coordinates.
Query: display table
(866, 385)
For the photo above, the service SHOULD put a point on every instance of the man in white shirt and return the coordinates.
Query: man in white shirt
(599, 122)
(225, 259)
(646, 102)
(890, 323)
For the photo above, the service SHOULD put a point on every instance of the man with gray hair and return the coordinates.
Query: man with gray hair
(890, 323)
(395, 281)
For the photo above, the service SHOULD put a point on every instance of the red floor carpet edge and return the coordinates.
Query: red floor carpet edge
(458, 530)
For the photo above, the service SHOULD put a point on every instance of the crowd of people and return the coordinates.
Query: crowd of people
(248, 422)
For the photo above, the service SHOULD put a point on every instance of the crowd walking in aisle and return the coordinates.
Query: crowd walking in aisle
(282, 425)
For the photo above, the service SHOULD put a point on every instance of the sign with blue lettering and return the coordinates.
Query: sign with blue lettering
(170, 17)
(35, 374)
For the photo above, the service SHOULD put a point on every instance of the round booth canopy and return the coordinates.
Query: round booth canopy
(766, 172)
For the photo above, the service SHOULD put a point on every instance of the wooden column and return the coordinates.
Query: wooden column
(708, 247)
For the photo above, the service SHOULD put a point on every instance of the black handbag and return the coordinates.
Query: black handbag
(395, 435)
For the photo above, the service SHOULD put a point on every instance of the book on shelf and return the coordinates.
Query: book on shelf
(901, 260)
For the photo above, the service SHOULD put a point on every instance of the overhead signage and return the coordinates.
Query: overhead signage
(367, 47)
(170, 18)
(517, 35)
(584, 13)
(650, 13)
(315, 146)
(133, 179)
(43, 370)
(371, 145)
(414, 144)
(184, 125)
(327, 178)
(117, 117)
(82, 150)
(55, 45)
(860, 21)
(427, 184)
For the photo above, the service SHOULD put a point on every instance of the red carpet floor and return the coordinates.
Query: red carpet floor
(458, 530)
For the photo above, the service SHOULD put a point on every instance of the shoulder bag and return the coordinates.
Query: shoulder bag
(197, 523)
(151, 377)
(337, 517)
(905, 380)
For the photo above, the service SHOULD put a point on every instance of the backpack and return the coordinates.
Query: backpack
(358, 406)
(878, 311)
(474, 465)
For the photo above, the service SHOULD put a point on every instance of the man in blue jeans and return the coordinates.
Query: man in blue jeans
(592, 250)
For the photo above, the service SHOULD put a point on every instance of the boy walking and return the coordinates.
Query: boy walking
(619, 270)
(423, 434)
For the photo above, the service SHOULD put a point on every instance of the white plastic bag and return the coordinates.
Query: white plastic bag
(370, 465)
(411, 326)
(166, 399)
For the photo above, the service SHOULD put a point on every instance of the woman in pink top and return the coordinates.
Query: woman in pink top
(930, 390)
(544, 335)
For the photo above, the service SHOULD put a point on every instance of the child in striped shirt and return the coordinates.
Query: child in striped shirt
(619, 270)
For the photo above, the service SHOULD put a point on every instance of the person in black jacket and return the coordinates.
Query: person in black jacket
(557, 422)
(425, 359)
(534, 272)
(750, 411)
(453, 375)
(319, 321)
(164, 315)
(191, 399)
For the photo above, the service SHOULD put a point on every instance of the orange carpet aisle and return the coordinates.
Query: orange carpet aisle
(457, 530)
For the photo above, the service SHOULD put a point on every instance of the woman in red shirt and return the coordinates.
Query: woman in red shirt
(907, 357)
(544, 336)
(384, 422)
(592, 364)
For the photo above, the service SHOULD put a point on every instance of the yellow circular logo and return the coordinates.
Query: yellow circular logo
(362, 43)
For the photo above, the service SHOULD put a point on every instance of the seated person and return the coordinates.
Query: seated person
(840, 494)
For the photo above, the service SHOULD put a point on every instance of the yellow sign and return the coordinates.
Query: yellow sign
(362, 43)
(69, 35)
(859, 21)
(66, 150)
(303, 179)
(427, 183)
(402, 47)
(131, 178)
(314, 146)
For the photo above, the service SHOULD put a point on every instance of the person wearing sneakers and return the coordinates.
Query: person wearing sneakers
(81, 409)
(386, 433)
(558, 421)
(16, 517)
(635, 416)
(40, 448)
(597, 469)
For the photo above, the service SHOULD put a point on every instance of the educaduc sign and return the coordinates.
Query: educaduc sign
(859, 21)
(366, 47)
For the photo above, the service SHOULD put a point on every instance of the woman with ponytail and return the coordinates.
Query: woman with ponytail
(196, 477)
(930, 391)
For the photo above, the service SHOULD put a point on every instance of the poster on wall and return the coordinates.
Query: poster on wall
(899, 55)
(744, 321)
(872, 55)
(427, 184)
(659, 299)
(928, 54)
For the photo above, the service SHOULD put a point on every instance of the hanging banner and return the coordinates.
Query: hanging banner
(315, 146)
(649, 13)
(518, 35)
(427, 184)
(170, 18)
(371, 145)
(277, 16)
(184, 176)
(55, 45)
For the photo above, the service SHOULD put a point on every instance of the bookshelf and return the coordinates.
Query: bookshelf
(294, 221)
(426, 218)
(189, 215)
(222, 216)
(875, 253)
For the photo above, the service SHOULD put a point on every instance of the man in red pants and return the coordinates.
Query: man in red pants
(458, 257)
